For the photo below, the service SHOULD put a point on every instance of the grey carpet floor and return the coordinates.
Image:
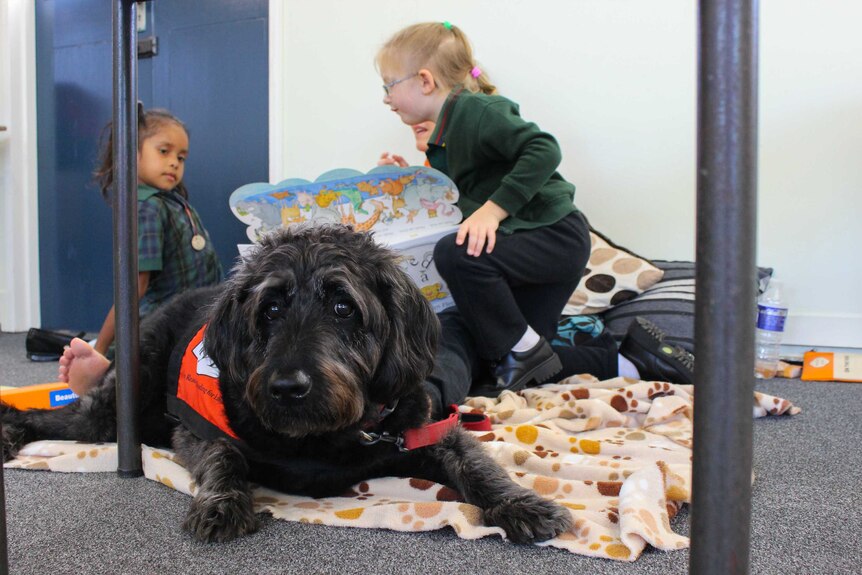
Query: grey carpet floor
(806, 515)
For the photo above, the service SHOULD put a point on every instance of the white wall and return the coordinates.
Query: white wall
(811, 164)
(19, 248)
(615, 82)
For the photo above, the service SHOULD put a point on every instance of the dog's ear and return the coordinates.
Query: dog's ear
(229, 332)
(414, 329)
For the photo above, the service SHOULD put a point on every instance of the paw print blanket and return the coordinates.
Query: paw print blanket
(617, 453)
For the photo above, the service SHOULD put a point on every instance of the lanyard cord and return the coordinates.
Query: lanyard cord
(174, 198)
(198, 241)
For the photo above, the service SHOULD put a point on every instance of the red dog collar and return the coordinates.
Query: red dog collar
(431, 433)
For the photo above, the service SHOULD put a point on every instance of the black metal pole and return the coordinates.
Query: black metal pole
(724, 324)
(126, 237)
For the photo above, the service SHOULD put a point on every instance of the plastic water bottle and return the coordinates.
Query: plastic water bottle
(771, 313)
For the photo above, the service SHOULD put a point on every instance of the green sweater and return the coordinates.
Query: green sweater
(491, 153)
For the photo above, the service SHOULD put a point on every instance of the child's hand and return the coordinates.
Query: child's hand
(392, 160)
(481, 228)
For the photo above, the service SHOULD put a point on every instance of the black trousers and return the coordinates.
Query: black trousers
(520, 293)
(525, 281)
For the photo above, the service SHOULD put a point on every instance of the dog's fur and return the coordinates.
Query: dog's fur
(312, 335)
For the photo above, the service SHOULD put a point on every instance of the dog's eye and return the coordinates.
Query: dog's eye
(272, 310)
(343, 309)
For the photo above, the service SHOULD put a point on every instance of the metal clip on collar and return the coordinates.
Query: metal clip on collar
(366, 438)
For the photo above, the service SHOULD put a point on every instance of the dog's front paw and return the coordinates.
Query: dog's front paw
(529, 518)
(221, 517)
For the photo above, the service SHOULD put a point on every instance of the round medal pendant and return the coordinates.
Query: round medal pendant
(198, 242)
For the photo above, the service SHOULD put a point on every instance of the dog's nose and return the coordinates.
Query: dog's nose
(286, 389)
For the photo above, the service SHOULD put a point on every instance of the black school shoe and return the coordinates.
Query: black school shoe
(46, 345)
(656, 360)
(519, 368)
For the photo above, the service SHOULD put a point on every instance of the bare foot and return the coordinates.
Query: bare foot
(81, 366)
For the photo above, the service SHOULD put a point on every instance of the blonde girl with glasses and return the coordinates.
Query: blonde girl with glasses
(522, 246)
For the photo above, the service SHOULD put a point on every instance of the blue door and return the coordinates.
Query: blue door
(210, 70)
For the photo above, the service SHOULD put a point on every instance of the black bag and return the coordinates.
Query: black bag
(45, 345)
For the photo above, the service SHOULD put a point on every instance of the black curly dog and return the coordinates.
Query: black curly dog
(320, 339)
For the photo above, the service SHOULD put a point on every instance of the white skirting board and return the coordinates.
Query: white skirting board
(823, 330)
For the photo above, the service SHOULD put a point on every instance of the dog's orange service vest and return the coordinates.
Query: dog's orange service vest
(194, 396)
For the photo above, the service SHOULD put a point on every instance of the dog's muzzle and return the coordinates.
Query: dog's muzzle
(288, 389)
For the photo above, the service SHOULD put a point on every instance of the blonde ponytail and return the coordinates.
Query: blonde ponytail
(439, 46)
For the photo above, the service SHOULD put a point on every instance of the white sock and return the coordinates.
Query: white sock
(626, 368)
(527, 341)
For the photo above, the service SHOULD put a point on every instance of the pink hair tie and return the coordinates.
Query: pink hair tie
(475, 72)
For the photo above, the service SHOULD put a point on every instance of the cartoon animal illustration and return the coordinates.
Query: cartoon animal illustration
(369, 188)
(430, 193)
(369, 223)
(434, 291)
(264, 212)
(347, 216)
(354, 196)
(304, 200)
(393, 187)
(290, 215)
(325, 197)
(436, 206)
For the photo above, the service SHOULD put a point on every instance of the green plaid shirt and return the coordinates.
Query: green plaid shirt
(165, 247)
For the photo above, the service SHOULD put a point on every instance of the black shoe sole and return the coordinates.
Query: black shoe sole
(639, 344)
(644, 336)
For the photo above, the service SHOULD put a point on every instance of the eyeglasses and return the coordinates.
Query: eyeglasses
(388, 87)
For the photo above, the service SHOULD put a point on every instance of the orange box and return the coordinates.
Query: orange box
(829, 366)
(39, 396)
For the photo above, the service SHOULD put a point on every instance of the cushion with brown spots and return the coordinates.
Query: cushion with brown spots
(613, 275)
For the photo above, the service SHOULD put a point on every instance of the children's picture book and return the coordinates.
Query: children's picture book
(407, 209)
(832, 366)
(38, 396)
